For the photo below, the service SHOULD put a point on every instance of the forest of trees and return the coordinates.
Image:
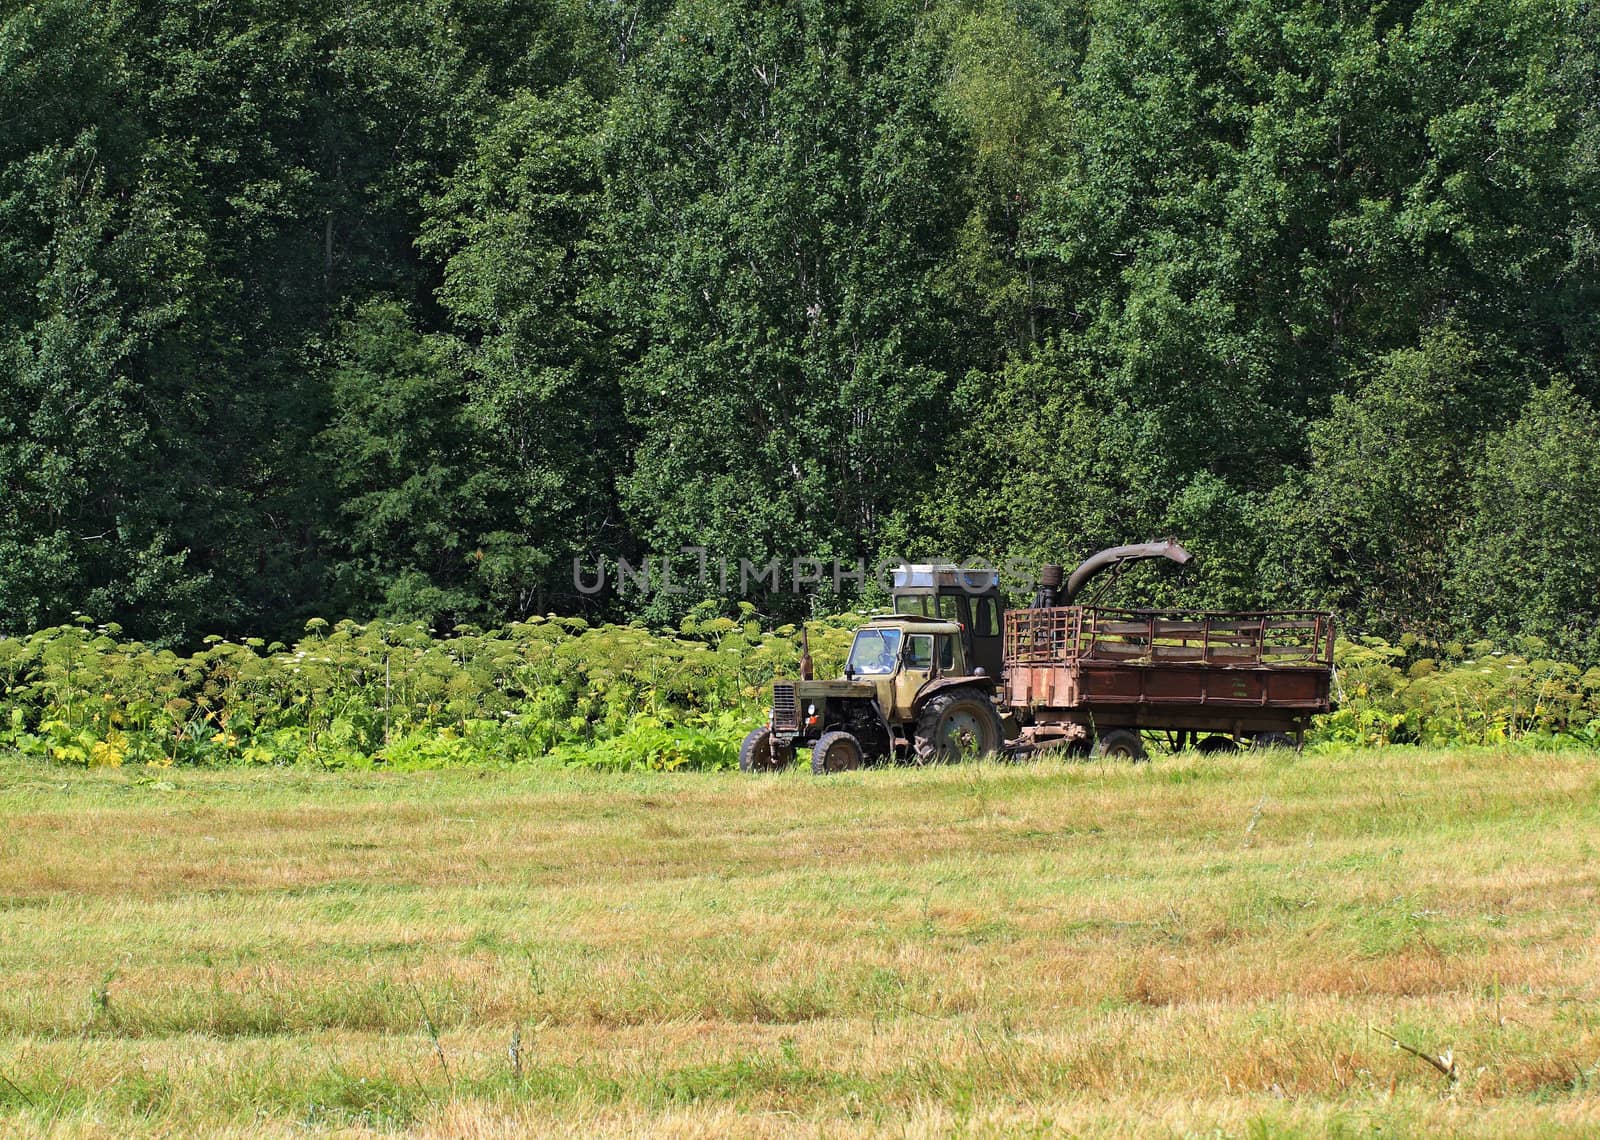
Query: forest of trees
(349, 308)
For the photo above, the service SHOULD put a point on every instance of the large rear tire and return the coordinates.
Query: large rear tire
(1120, 744)
(956, 724)
(760, 753)
(836, 752)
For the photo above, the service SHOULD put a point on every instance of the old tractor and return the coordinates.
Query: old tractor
(951, 673)
(909, 692)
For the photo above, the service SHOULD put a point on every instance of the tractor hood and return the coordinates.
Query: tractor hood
(804, 690)
(792, 701)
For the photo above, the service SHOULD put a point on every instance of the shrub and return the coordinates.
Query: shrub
(558, 691)
(1426, 693)
(381, 693)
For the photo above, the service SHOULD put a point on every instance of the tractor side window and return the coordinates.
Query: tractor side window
(919, 651)
(947, 608)
(947, 654)
(983, 623)
(915, 605)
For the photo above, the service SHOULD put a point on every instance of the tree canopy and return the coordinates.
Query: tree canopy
(396, 309)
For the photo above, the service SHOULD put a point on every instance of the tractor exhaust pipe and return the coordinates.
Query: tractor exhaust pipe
(1049, 583)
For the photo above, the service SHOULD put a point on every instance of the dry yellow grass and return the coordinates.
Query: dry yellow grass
(1194, 946)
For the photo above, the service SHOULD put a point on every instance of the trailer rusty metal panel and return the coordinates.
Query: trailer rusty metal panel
(1077, 658)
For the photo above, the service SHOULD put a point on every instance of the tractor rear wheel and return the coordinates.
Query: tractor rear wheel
(956, 724)
(836, 752)
(760, 753)
(1120, 744)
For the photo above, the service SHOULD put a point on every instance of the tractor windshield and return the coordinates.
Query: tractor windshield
(874, 651)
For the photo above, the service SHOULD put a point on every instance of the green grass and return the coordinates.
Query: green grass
(1192, 946)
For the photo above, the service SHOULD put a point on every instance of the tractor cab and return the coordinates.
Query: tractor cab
(899, 655)
(970, 598)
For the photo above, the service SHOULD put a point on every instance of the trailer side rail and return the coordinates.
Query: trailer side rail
(1263, 640)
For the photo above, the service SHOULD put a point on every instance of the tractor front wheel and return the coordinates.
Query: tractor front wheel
(836, 752)
(956, 724)
(760, 753)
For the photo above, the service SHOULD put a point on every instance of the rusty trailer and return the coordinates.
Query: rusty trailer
(1076, 675)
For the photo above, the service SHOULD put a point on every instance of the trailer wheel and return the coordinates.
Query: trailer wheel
(836, 752)
(1265, 740)
(1213, 745)
(759, 753)
(1120, 744)
(956, 724)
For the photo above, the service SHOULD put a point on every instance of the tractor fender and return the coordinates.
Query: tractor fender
(945, 684)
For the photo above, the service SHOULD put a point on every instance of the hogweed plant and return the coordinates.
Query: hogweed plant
(562, 692)
(351, 694)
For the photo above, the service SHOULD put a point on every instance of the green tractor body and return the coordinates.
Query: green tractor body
(908, 693)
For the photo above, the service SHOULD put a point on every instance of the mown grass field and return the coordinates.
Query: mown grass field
(1194, 946)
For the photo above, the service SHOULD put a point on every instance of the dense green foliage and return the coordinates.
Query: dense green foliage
(560, 691)
(387, 693)
(391, 310)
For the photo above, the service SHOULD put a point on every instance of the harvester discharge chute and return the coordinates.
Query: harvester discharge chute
(1050, 584)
